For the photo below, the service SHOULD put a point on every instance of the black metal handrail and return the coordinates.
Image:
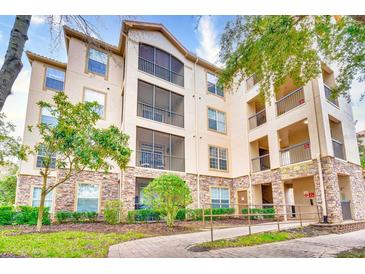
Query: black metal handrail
(257, 119)
(160, 72)
(290, 101)
(160, 115)
(295, 153)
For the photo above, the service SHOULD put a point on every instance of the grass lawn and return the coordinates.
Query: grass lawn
(353, 253)
(248, 240)
(65, 244)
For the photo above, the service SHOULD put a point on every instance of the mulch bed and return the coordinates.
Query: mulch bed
(309, 231)
(153, 229)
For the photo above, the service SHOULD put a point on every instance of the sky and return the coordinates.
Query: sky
(201, 37)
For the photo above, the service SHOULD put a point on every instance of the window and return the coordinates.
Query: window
(97, 62)
(36, 201)
(218, 158)
(160, 150)
(98, 97)
(212, 85)
(216, 120)
(88, 198)
(219, 197)
(55, 79)
(44, 156)
(48, 118)
(161, 64)
(160, 105)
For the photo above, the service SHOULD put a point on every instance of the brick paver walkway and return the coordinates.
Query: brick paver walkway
(175, 246)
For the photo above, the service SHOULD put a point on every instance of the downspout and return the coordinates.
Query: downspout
(319, 163)
(196, 134)
(121, 176)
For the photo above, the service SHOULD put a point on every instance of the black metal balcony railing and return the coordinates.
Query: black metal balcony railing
(252, 81)
(159, 71)
(338, 149)
(158, 160)
(328, 93)
(290, 101)
(160, 115)
(295, 154)
(261, 163)
(258, 119)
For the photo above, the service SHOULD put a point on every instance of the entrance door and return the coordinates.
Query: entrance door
(242, 200)
(345, 195)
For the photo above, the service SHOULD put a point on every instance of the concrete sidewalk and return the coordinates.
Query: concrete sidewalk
(175, 246)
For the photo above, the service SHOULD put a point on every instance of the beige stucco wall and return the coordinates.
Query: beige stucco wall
(196, 102)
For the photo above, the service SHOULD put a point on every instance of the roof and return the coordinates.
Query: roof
(128, 24)
(119, 50)
(36, 57)
(360, 133)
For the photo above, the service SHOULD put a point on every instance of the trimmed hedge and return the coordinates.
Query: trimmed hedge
(270, 211)
(147, 215)
(22, 215)
(76, 217)
(112, 211)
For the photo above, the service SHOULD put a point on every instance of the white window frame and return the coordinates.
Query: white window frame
(218, 119)
(49, 198)
(86, 90)
(78, 193)
(218, 157)
(220, 197)
(209, 74)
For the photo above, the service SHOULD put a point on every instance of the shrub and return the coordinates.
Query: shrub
(64, 217)
(167, 194)
(112, 211)
(270, 211)
(76, 217)
(143, 215)
(6, 215)
(22, 215)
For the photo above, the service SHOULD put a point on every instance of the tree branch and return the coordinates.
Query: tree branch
(12, 63)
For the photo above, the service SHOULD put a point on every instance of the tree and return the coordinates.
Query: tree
(10, 147)
(361, 145)
(72, 144)
(167, 194)
(8, 187)
(19, 35)
(277, 47)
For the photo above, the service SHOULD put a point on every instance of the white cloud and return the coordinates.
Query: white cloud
(208, 40)
(1, 35)
(38, 19)
(16, 103)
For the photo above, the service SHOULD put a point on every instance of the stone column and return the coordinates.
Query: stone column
(128, 189)
(332, 190)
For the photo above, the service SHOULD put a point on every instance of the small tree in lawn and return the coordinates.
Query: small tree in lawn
(73, 144)
(167, 194)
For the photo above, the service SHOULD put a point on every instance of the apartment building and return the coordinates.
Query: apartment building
(229, 146)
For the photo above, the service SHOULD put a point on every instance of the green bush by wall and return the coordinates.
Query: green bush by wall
(22, 215)
(269, 213)
(76, 217)
(147, 215)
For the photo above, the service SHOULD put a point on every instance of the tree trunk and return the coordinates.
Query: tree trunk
(41, 205)
(12, 62)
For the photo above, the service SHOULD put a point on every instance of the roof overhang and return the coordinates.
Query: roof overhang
(36, 57)
(129, 25)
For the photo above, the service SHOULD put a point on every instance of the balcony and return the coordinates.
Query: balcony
(290, 101)
(159, 150)
(261, 163)
(157, 160)
(338, 149)
(160, 72)
(160, 115)
(295, 154)
(294, 143)
(328, 93)
(252, 81)
(257, 119)
(259, 150)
